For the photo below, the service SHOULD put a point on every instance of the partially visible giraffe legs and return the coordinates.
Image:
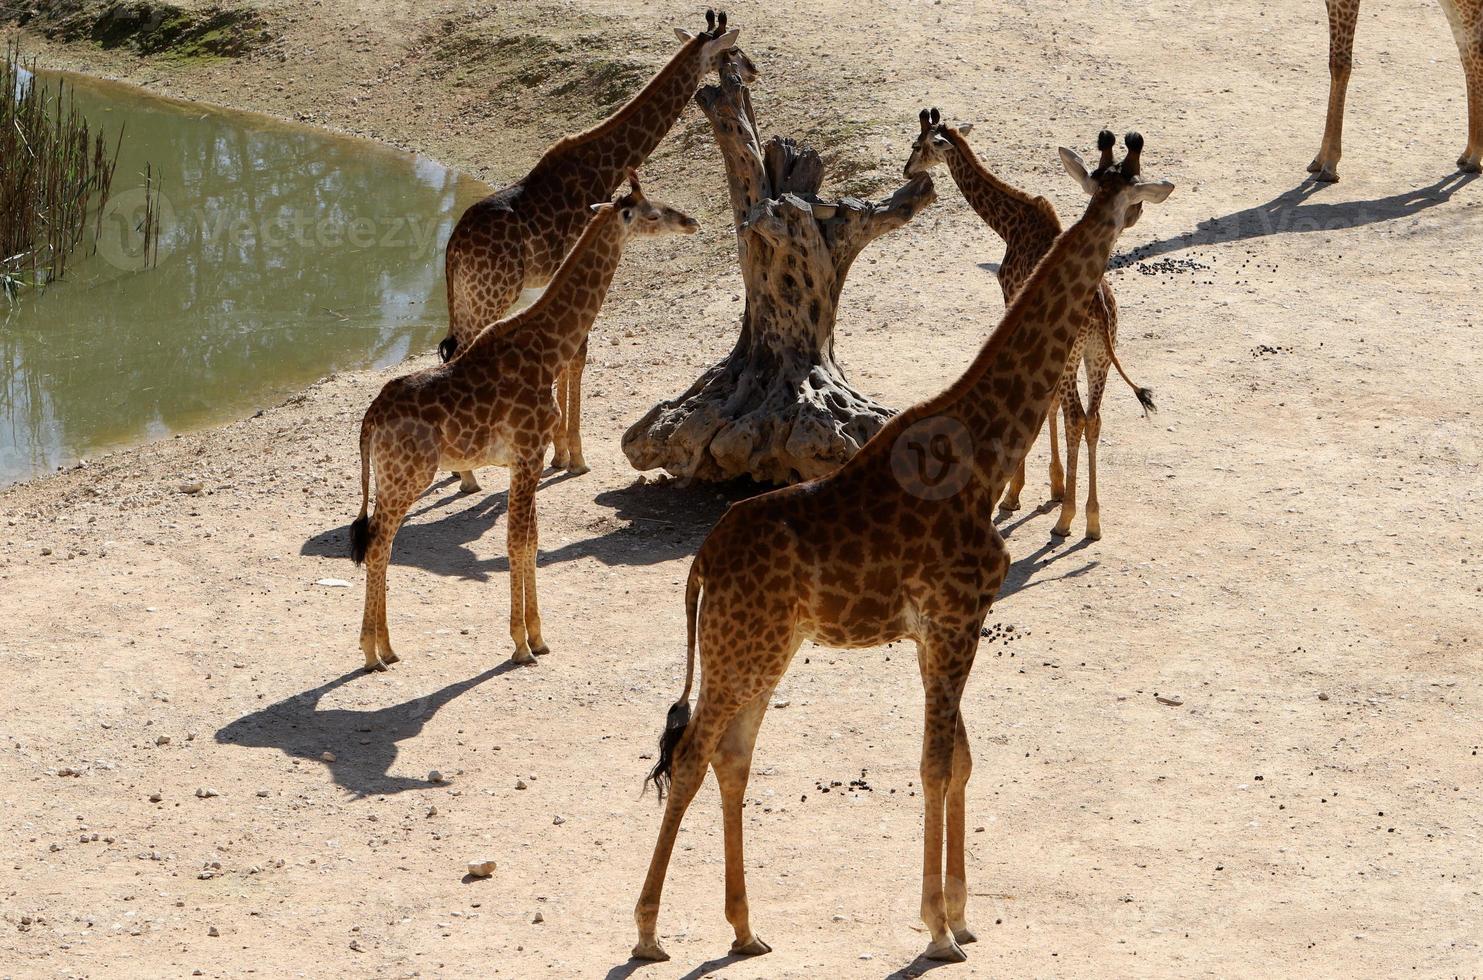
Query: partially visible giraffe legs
(1011, 499)
(521, 537)
(396, 489)
(568, 455)
(956, 897)
(1343, 16)
(1075, 420)
(1466, 18)
(1096, 369)
(733, 765)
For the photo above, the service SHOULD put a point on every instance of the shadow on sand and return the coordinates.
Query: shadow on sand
(1295, 212)
(300, 728)
(660, 522)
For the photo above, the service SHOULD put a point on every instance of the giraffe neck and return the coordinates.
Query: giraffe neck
(557, 323)
(1003, 207)
(1003, 397)
(592, 164)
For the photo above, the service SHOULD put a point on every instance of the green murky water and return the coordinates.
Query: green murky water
(286, 253)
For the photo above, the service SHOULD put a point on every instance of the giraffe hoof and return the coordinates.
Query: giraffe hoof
(1093, 533)
(1060, 532)
(1469, 165)
(651, 951)
(375, 666)
(946, 951)
(540, 649)
(578, 468)
(755, 947)
(1315, 166)
(1326, 176)
(1009, 506)
(388, 658)
(523, 657)
(964, 935)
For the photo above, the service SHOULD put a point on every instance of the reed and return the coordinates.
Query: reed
(55, 176)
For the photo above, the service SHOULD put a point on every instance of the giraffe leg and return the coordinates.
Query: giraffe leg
(393, 500)
(466, 482)
(733, 765)
(1011, 500)
(1057, 475)
(956, 897)
(572, 412)
(1096, 368)
(1343, 16)
(1470, 46)
(945, 663)
(691, 758)
(1075, 422)
(520, 536)
(561, 456)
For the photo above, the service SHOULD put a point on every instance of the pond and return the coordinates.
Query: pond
(285, 253)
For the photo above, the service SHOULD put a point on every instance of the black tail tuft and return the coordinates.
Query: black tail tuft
(1145, 398)
(360, 538)
(674, 727)
(448, 348)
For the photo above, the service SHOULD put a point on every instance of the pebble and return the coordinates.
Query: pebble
(1322, 696)
(537, 919)
(162, 740)
(436, 777)
(191, 488)
(1170, 701)
(213, 931)
(328, 756)
(481, 869)
(205, 793)
(559, 820)
(156, 796)
(333, 583)
(262, 792)
(520, 784)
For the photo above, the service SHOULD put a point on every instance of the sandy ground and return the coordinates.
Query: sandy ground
(1291, 549)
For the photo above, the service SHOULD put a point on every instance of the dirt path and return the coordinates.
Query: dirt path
(1291, 550)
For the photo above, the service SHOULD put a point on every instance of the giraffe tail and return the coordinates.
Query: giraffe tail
(678, 718)
(360, 528)
(1145, 395)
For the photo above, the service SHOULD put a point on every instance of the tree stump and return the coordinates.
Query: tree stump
(777, 409)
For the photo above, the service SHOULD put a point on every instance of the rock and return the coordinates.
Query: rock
(333, 583)
(432, 811)
(559, 820)
(1322, 696)
(520, 784)
(481, 869)
(1170, 701)
(162, 740)
(328, 756)
(537, 919)
(45, 552)
(781, 702)
(192, 488)
(206, 793)
(262, 792)
(156, 796)
(436, 777)
(213, 931)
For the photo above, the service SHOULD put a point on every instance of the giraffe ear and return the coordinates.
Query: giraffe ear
(1077, 168)
(1155, 191)
(684, 35)
(599, 206)
(723, 42)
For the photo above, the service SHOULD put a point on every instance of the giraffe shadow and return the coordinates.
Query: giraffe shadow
(1024, 570)
(917, 968)
(362, 742)
(1296, 212)
(650, 523)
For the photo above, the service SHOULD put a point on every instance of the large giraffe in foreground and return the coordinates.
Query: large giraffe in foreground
(1466, 18)
(1029, 226)
(491, 406)
(898, 543)
(516, 238)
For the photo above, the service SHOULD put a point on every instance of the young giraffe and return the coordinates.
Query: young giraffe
(898, 543)
(516, 238)
(1029, 227)
(1466, 18)
(491, 406)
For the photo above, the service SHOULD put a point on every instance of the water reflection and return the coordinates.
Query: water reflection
(285, 254)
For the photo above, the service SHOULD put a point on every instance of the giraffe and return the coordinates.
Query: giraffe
(1029, 226)
(516, 238)
(1466, 18)
(896, 544)
(491, 405)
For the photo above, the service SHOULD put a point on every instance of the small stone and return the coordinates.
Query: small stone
(432, 811)
(45, 551)
(520, 784)
(1322, 696)
(840, 918)
(1171, 702)
(192, 488)
(156, 796)
(355, 945)
(558, 820)
(328, 756)
(537, 919)
(481, 869)
(213, 931)
(205, 793)
(162, 740)
(780, 702)
(333, 583)
(262, 792)
(436, 777)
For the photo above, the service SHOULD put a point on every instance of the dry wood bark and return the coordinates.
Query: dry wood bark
(777, 408)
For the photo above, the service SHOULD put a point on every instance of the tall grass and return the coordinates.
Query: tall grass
(55, 176)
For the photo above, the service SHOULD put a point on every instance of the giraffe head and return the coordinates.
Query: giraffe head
(642, 217)
(715, 41)
(1119, 185)
(930, 148)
